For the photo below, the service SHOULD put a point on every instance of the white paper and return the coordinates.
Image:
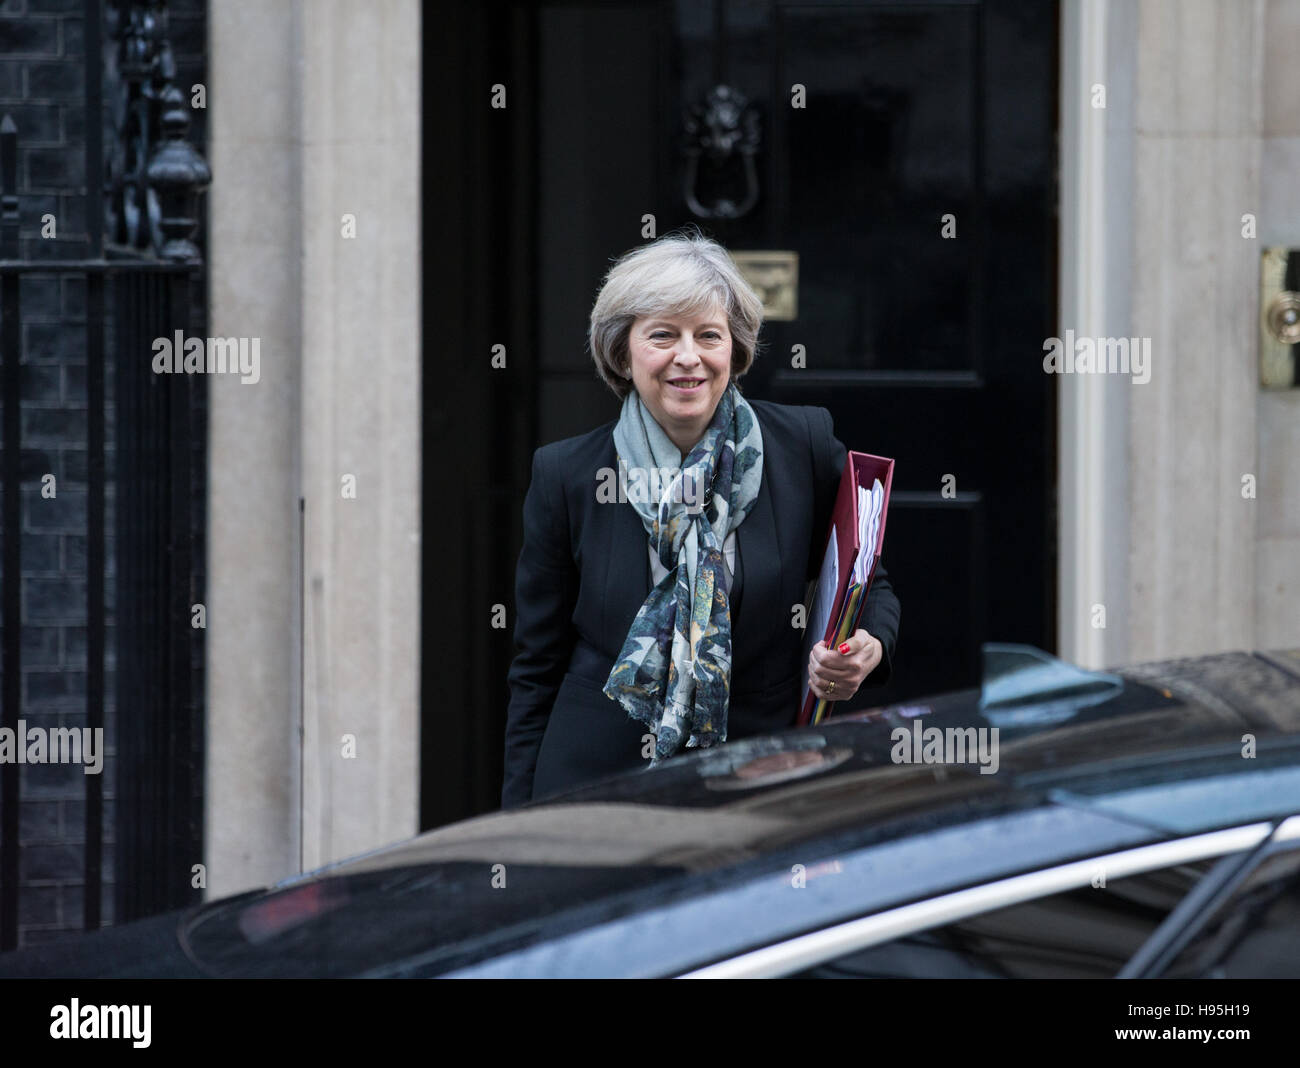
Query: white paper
(870, 504)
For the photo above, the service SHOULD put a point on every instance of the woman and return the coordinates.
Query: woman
(665, 552)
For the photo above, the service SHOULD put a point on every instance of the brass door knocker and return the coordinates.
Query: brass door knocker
(723, 127)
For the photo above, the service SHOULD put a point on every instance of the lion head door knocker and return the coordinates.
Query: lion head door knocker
(724, 130)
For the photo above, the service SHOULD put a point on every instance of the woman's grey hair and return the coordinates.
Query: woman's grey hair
(682, 273)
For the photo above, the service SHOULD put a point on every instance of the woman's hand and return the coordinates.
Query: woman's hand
(836, 674)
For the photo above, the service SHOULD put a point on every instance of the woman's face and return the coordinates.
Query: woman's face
(681, 365)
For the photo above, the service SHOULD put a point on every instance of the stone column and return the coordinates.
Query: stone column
(360, 143)
(1098, 53)
(1192, 432)
(1277, 563)
(314, 117)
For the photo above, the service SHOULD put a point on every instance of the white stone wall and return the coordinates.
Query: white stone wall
(314, 108)
(1195, 278)
(1201, 127)
(1277, 530)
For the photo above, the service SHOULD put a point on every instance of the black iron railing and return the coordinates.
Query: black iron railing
(139, 272)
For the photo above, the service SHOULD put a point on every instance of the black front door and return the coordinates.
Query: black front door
(903, 151)
(907, 156)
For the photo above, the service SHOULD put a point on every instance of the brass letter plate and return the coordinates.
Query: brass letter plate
(775, 278)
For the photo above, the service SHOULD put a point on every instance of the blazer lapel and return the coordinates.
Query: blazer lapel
(627, 575)
(758, 543)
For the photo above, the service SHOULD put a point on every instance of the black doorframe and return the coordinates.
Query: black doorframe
(479, 427)
(478, 423)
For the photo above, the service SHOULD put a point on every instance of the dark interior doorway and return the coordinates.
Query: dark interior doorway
(916, 183)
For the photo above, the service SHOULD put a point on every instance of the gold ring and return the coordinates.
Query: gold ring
(830, 687)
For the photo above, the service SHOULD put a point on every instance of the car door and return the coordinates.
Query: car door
(1248, 928)
(1085, 919)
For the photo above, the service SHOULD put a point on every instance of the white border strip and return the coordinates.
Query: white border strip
(778, 960)
(1082, 307)
(1289, 829)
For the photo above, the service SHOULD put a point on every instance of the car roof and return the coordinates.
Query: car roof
(1155, 753)
(841, 773)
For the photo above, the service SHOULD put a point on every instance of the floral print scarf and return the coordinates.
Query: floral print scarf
(674, 671)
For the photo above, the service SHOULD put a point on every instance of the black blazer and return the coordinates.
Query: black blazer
(584, 571)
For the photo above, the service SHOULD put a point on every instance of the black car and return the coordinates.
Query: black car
(1054, 823)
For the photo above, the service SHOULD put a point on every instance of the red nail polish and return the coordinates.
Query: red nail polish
(844, 647)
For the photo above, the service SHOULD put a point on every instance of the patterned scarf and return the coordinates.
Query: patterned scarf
(674, 672)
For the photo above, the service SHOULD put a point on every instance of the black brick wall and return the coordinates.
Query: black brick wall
(42, 86)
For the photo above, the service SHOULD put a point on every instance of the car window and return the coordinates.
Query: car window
(1255, 934)
(1088, 932)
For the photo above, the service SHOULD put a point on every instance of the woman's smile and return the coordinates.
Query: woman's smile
(681, 365)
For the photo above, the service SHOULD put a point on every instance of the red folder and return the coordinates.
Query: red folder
(860, 470)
